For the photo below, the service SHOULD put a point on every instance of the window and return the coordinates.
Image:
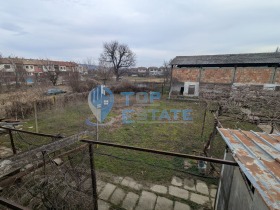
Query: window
(27, 67)
(31, 67)
(191, 89)
(256, 87)
(7, 66)
(277, 88)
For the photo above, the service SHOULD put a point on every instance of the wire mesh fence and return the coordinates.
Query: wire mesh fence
(63, 180)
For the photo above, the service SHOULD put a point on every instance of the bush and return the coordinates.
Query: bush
(21, 110)
(81, 86)
(128, 87)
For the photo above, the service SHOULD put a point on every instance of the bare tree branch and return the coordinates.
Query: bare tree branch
(51, 70)
(119, 56)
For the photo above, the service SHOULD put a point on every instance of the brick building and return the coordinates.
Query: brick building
(191, 74)
(33, 70)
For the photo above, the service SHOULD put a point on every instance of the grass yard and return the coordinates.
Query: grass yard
(176, 137)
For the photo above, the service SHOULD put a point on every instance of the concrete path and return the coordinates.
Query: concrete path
(180, 194)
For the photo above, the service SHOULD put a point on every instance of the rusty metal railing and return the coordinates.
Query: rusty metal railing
(9, 131)
(181, 155)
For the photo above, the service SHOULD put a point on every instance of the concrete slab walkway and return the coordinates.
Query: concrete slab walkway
(180, 194)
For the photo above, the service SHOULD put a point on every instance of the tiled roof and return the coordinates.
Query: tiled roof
(36, 62)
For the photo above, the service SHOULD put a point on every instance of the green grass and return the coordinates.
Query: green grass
(183, 138)
(180, 137)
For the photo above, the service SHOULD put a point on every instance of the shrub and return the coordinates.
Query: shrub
(128, 87)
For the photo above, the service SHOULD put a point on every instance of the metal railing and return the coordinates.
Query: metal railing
(160, 152)
(10, 130)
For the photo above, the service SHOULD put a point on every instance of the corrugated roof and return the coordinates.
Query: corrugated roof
(258, 156)
(228, 59)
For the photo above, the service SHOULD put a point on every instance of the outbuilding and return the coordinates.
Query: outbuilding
(255, 183)
(193, 74)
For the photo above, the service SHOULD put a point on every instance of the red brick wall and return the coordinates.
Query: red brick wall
(260, 75)
(253, 75)
(186, 74)
(277, 76)
(217, 75)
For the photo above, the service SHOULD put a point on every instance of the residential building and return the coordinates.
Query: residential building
(32, 70)
(142, 71)
(155, 71)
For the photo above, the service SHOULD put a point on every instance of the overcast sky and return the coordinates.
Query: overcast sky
(156, 30)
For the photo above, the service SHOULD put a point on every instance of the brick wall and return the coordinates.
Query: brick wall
(258, 75)
(186, 74)
(277, 76)
(217, 75)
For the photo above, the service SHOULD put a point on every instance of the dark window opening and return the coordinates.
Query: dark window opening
(182, 90)
(7, 66)
(256, 87)
(249, 184)
(191, 90)
(277, 88)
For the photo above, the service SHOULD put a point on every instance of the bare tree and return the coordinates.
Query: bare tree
(1, 73)
(51, 70)
(167, 71)
(75, 81)
(119, 56)
(88, 65)
(104, 71)
(20, 72)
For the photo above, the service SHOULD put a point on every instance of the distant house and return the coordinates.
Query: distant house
(155, 71)
(142, 71)
(131, 72)
(255, 183)
(86, 69)
(191, 74)
(32, 70)
(12, 70)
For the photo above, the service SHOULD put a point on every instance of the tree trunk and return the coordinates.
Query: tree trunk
(117, 77)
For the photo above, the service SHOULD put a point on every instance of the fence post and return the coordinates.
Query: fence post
(93, 177)
(12, 142)
(44, 161)
(36, 117)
